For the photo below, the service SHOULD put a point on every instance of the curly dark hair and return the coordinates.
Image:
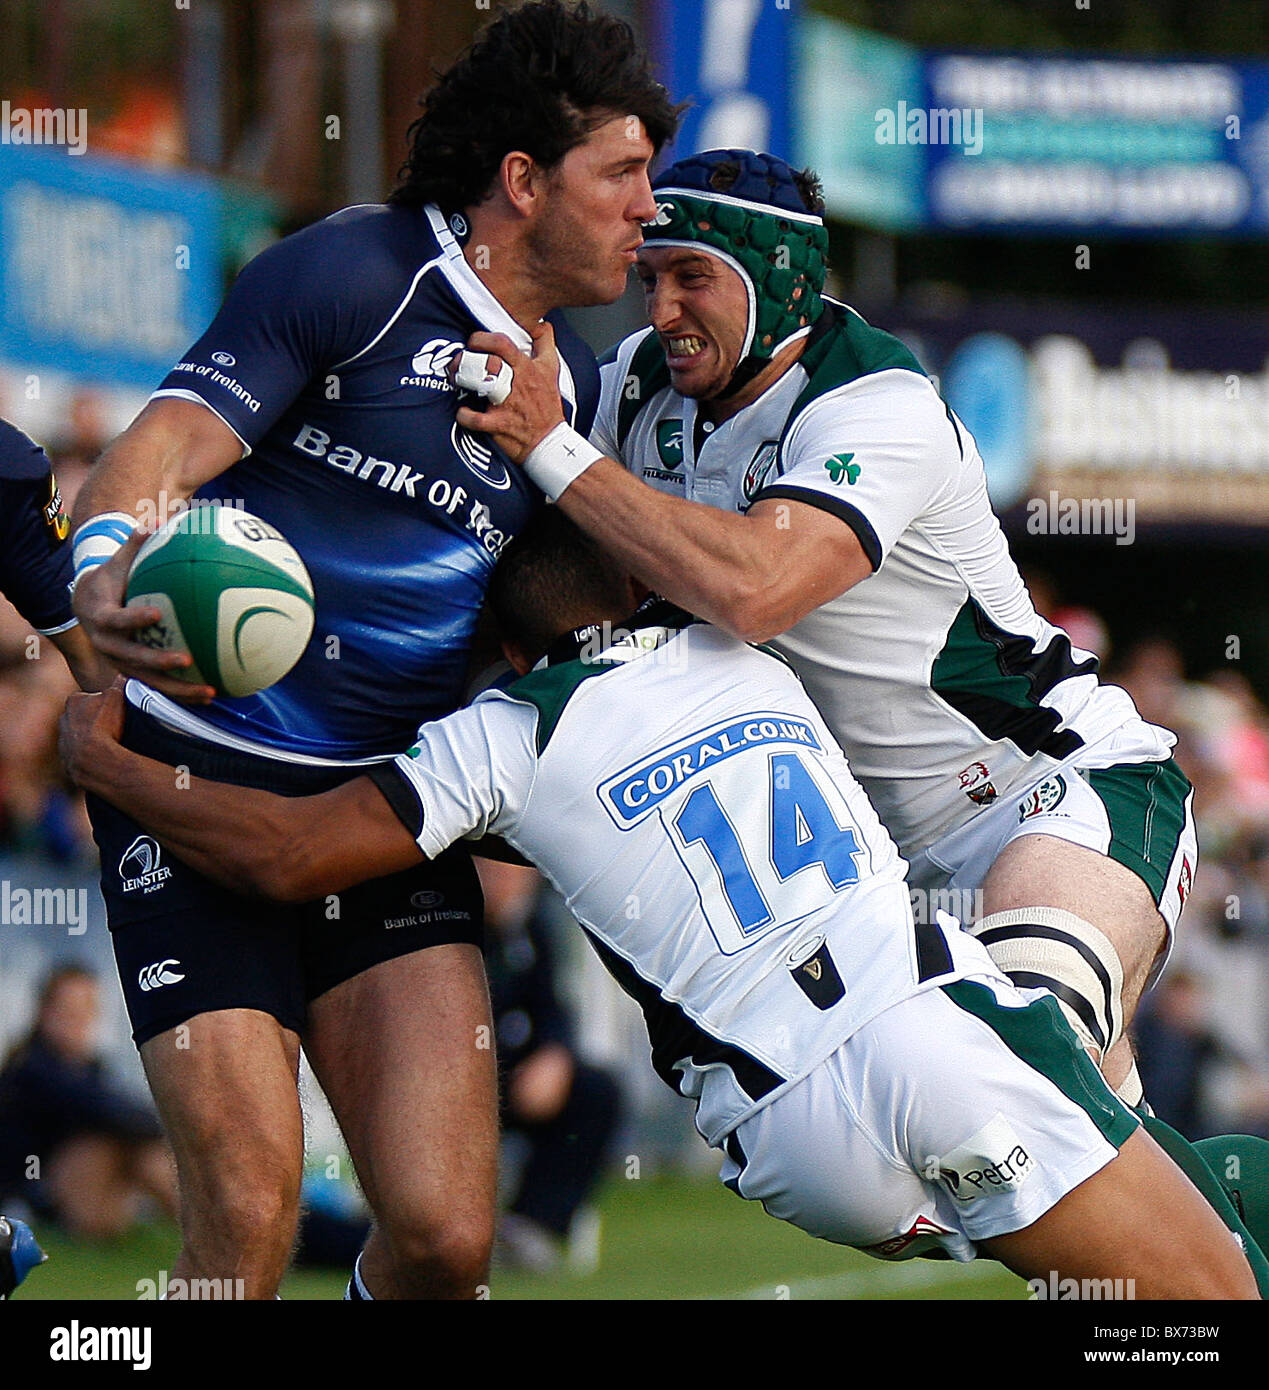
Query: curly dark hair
(540, 78)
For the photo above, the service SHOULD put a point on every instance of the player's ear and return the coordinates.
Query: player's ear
(514, 653)
(519, 177)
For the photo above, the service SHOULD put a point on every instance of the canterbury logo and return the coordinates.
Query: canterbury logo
(664, 216)
(159, 974)
(434, 357)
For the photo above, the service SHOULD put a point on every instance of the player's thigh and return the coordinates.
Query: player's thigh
(956, 1115)
(1037, 870)
(404, 1052)
(1138, 1219)
(225, 1083)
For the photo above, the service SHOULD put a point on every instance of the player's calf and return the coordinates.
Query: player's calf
(229, 1103)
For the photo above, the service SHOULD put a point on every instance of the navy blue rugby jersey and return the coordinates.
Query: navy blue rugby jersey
(35, 554)
(328, 360)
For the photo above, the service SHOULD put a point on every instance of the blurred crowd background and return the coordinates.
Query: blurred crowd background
(228, 124)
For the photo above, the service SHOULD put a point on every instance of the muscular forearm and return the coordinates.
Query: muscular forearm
(754, 575)
(168, 451)
(237, 836)
(715, 564)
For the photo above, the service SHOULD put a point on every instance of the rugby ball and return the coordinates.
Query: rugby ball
(233, 594)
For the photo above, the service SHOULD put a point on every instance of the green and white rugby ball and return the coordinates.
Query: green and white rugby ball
(233, 594)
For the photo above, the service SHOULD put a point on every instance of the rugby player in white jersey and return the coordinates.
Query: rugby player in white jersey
(846, 519)
(876, 1082)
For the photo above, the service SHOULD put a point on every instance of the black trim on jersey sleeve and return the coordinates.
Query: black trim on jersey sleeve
(843, 511)
(399, 792)
(35, 563)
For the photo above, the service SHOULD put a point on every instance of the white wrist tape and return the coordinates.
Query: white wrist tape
(560, 459)
(98, 539)
(473, 374)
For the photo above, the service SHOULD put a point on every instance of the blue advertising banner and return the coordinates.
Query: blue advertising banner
(732, 60)
(106, 272)
(1005, 142)
(1113, 145)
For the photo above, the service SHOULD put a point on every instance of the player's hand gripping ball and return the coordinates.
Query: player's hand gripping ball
(233, 594)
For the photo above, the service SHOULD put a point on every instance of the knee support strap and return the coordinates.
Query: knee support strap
(1047, 947)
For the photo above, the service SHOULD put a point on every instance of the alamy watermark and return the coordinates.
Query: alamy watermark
(44, 125)
(1084, 516)
(44, 907)
(940, 125)
(155, 512)
(965, 904)
(1104, 1290)
(190, 1290)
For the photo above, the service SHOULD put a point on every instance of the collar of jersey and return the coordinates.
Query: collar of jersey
(469, 287)
(651, 625)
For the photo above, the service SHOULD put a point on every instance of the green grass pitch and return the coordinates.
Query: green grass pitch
(661, 1238)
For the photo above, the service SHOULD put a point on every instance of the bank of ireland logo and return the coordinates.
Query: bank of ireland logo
(670, 443)
(1041, 799)
(224, 359)
(141, 867)
(480, 459)
(759, 466)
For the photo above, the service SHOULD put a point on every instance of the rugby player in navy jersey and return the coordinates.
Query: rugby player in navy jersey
(320, 398)
(35, 554)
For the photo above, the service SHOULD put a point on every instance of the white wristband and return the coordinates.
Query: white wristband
(560, 459)
(99, 538)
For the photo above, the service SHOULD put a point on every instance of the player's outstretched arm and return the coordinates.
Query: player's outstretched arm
(169, 450)
(290, 849)
(754, 575)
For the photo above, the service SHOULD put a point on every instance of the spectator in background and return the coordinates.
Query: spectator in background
(1175, 1048)
(564, 1110)
(72, 1146)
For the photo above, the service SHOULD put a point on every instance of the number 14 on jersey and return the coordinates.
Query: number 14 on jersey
(764, 856)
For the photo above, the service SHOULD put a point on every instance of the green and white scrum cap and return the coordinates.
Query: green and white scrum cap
(745, 208)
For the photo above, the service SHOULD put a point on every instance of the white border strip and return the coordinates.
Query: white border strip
(726, 198)
(180, 393)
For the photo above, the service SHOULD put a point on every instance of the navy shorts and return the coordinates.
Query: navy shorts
(184, 945)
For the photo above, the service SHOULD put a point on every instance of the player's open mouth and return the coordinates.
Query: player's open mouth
(682, 350)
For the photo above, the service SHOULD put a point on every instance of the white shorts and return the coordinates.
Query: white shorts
(1138, 812)
(964, 1112)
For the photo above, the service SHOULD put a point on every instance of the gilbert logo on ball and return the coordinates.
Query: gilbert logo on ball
(233, 594)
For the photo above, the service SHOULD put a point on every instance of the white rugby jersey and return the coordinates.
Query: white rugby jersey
(938, 678)
(688, 802)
